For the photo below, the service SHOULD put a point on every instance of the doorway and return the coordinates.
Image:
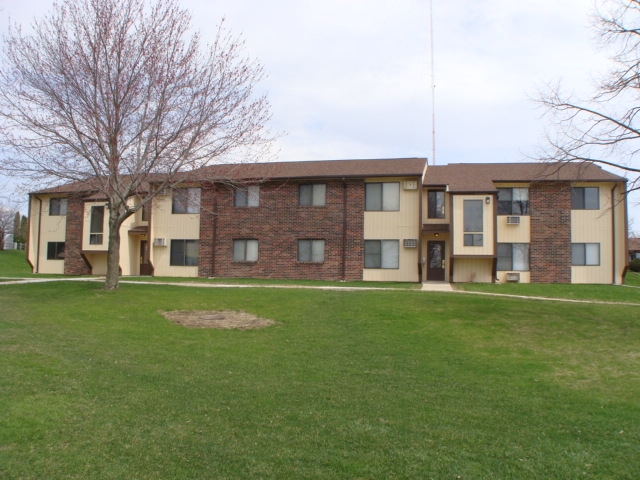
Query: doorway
(435, 261)
(145, 266)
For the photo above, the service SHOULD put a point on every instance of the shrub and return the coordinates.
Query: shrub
(634, 265)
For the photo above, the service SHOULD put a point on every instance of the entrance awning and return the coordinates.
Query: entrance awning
(140, 230)
(436, 228)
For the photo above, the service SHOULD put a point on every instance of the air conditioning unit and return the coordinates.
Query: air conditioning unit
(410, 243)
(410, 185)
(159, 242)
(513, 277)
(513, 220)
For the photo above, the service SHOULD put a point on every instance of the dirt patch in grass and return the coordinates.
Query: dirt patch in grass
(220, 319)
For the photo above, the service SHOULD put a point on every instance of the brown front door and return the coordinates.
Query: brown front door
(435, 261)
(145, 266)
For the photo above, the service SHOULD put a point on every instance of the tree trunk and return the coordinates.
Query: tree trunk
(113, 255)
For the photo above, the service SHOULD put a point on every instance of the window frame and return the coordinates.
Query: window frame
(438, 211)
(185, 253)
(312, 242)
(60, 210)
(320, 187)
(247, 196)
(523, 205)
(381, 264)
(185, 201)
(582, 262)
(581, 200)
(381, 205)
(96, 226)
(511, 257)
(56, 250)
(245, 241)
(473, 237)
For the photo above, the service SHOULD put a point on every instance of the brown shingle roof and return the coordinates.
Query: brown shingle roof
(480, 177)
(634, 244)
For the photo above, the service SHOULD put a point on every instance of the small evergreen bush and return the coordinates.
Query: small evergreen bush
(634, 265)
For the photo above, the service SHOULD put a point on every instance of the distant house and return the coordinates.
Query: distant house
(634, 248)
(375, 220)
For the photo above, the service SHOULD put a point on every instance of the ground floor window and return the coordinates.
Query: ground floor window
(585, 254)
(184, 253)
(311, 251)
(55, 250)
(513, 256)
(245, 250)
(381, 254)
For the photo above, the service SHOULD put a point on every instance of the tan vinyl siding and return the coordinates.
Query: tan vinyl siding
(487, 247)
(52, 229)
(396, 225)
(472, 270)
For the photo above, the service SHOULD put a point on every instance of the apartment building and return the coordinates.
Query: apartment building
(375, 220)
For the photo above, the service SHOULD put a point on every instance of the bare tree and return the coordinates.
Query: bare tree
(604, 128)
(117, 93)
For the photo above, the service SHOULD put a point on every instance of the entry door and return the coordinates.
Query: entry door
(145, 266)
(435, 261)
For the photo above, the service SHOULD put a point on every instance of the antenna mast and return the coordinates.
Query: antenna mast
(433, 91)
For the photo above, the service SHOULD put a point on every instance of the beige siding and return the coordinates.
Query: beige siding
(396, 225)
(514, 233)
(595, 226)
(458, 226)
(425, 208)
(472, 270)
(170, 226)
(98, 261)
(52, 229)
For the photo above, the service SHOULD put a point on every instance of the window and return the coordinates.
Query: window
(382, 196)
(513, 201)
(311, 251)
(585, 254)
(473, 223)
(146, 213)
(247, 196)
(96, 227)
(585, 198)
(55, 251)
(245, 250)
(312, 195)
(435, 200)
(186, 200)
(381, 254)
(513, 256)
(184, 253)
(58, 206)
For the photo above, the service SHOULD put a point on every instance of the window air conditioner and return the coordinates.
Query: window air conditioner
(159, 242)
(410, 185)
(513, 277)
(513, 220)
(410, 243)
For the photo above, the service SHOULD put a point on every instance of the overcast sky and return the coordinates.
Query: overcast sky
(352, 78)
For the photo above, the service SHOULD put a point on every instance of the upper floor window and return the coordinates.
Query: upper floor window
(184, 253)
(381, 254)
(473, 223)
(585, 198)
(186, 200)
(96, 227)
(435, 200)
(312, 195)
(513, 201)
(382, 196)
(311, 251)
(585, 254)
(248, 196)
(146, 213)
(513, 256)
(58, 206)
(55, 251)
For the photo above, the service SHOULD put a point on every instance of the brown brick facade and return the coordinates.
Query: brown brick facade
(278, 223)
(550, 204)
(74, 261)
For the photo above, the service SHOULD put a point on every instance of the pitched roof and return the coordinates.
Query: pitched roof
(634, 244)
(390, 167)
(480, 177)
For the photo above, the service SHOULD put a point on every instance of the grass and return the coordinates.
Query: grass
(367, 384)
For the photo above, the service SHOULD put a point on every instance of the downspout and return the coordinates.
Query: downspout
(214, 229)
(39, 235)
(420, 219)
(344, 229)
(613, 233)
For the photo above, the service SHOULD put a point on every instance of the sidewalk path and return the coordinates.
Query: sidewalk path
(426, 287)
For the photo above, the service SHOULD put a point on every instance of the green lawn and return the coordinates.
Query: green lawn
(13, 263)
(368, 385)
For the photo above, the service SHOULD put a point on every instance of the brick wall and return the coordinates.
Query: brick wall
(278, 223)
(74, 262)
(550, 205)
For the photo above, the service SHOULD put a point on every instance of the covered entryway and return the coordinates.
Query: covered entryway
(435, 261)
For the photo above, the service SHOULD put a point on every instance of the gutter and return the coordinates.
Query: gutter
(37, 268)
